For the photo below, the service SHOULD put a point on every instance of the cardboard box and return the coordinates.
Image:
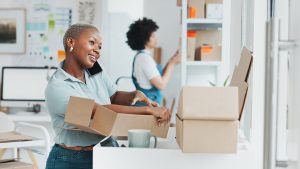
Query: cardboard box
(208, 53)
(206, 136)
(107, 122)
(209, 37)
(157, 55)
(179, 3)
(208, 117)
(208, 103)
(14, 164)
(191, 48)
(199, 6)
(214, 10)
(214, 1)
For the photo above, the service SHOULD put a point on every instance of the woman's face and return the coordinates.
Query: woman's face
(152, 41)
(87, 48)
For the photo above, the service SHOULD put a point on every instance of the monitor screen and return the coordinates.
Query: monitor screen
(24, 83)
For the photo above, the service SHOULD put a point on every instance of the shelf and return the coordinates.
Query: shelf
(202, 24)
(204, 21)
(203, 63)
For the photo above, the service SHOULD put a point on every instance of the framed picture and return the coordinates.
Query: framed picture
(12, 31)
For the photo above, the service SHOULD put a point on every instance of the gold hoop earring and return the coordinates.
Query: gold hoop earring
(71, 49)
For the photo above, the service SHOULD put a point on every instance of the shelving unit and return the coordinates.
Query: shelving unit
(201, 73)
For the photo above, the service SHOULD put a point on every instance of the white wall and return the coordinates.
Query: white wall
(167, 15)
(117, 16)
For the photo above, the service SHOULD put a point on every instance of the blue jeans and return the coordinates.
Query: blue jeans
(61, 158)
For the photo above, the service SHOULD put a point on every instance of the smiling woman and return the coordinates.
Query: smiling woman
(81, 75)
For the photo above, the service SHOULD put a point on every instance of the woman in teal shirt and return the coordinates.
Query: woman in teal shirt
(81, 75)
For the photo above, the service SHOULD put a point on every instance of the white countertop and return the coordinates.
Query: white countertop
(168, 155)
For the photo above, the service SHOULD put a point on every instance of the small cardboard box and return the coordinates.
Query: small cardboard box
(208, 117)
(199, 5)
(157, 55)
(14, 164)
(208, 53)
(214, 10)
(107, 122)
(179, 3)
(209, 37)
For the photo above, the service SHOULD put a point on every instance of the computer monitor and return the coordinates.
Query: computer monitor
(24, 86)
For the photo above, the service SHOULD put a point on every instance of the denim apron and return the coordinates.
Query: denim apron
(153, 93)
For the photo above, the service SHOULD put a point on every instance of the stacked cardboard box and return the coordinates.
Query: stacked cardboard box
(107, 122)
(208, 117)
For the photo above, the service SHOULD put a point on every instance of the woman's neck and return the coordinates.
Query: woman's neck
(74, 69)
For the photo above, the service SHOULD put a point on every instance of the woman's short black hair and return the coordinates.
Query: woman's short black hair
(139, 33)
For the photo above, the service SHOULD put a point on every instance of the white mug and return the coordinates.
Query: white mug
(140, 138)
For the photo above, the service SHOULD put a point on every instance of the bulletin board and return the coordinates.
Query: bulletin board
(47, 21)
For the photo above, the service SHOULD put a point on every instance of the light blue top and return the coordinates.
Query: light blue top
(61, 86)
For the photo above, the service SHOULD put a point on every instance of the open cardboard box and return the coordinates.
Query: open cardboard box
(208, 117)
(107, 122)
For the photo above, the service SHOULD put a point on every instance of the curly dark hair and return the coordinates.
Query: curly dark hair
(139, 33)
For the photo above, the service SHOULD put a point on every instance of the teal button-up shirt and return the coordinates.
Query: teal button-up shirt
(61, 86)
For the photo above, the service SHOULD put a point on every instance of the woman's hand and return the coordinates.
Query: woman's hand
(162, 114)
(176, 58)
(140, 96)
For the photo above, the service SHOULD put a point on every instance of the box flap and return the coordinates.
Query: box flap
(209, 103)
(79, 111)
(245, 63)
(241, 72)
(103, 120)
(243, 89)
(125, 122)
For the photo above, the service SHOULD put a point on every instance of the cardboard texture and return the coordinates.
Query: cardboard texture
(157, 55)
(13, 136)
(14, 164)
(240, 77)
(107, 122)
(209, 37)
(208, 53)
(204, 136)
(241, 72)
(214, 1)
(208, 117)
(209, 103)
(191, 48)
(179, 3)
(199, 5)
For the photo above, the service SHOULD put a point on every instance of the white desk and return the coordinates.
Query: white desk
(169, 156)
(30, 117)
